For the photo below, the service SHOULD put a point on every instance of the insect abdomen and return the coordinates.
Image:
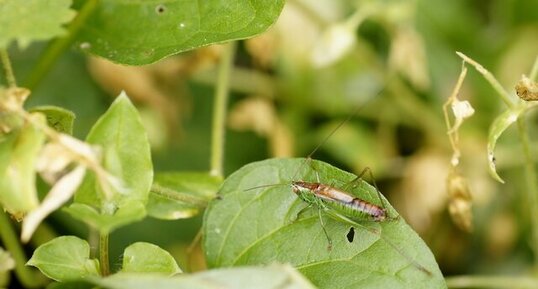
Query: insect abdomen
(358, 209)
(374, 211)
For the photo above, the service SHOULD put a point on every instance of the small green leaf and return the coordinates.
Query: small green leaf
(128, 213)
(65, 258)
(144, 257)
(32, 20)
(18, 155)
(127, 156)
(271, 277)
(60, 119)
(143, 32)
(177, 195)
(251, 225)
(499, 125)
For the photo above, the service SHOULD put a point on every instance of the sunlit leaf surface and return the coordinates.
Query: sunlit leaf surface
(141, 32)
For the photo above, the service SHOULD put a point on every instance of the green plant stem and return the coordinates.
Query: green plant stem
(532, 186)
(534, 70)
(491, 282)
(27, 277)
(178, 196)
(56, 47)
(8, 70)
(505, 96)
(103, 254)
(219, 110)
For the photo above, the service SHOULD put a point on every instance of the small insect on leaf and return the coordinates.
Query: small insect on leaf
(259, 223)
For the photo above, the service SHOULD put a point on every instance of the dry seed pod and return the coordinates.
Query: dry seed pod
(460, 201)
(527, 89)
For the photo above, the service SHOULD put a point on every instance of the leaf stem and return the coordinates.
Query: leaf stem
(178, 196)
(103, 254)
(8, 69)
(27, 277)
(505, 96)
(532, 186)
(534, 70)
(219, 110)
(56, 47)
(475, 281)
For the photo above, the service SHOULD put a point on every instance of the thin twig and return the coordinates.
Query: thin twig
(219, 110)
(103, 254)
(27, 277)
(505, 96)
(532, 186)
(8, 70)
(534, 70)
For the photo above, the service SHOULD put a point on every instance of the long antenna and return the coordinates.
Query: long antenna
(355, 111)
(351, 115)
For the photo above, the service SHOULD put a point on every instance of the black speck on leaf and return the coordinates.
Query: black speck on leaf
(160, 9)
(350, 235)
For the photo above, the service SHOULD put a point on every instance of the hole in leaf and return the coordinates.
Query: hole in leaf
(350, 235)
(160, 9)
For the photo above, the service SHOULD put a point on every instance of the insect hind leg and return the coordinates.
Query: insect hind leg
(330, 245)
(355, 182)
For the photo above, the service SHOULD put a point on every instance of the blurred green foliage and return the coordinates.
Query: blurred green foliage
(403, 59)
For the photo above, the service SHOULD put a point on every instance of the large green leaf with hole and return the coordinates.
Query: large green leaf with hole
(31, 20)
(141, 32)
(248, 224)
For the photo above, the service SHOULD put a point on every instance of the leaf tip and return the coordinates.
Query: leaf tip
(492, 168)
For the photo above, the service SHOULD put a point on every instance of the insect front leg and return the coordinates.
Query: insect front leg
(302, 211)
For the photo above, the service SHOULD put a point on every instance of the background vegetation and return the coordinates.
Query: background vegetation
(291, 85)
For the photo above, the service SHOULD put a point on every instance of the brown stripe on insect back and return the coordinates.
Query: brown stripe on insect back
(334, 194)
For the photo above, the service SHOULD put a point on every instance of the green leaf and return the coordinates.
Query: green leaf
(65, 258)
(499, 125)
(130, 212)
(32, 20)
(177, 195)
(60, 119)
(127, 156)
(143, 32)
(144, 257)
(18, 155)
(251, 225)
(271, 277)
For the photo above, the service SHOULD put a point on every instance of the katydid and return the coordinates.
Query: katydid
(346, 208)
(341, 205)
